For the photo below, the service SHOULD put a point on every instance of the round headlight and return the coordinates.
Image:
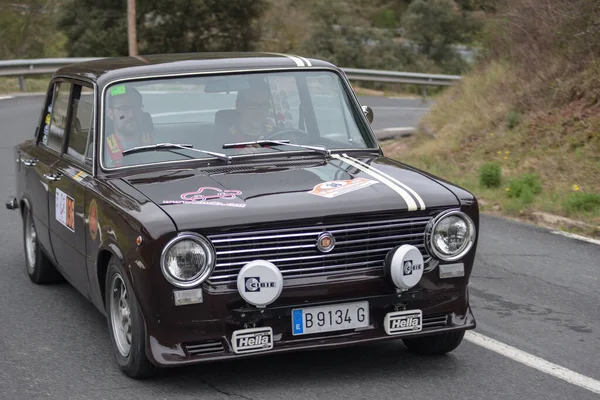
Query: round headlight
(187, 260)
(451, 235)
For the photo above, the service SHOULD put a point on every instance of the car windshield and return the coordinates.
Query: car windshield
(213, 113)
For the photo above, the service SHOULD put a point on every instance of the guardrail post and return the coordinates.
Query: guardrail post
(22, 83)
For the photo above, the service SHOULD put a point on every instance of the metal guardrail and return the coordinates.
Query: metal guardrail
(22, 68)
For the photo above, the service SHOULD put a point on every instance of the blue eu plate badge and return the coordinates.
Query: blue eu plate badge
(297, 322)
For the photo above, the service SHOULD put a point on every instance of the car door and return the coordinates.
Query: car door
(70, 175)
(37, 160)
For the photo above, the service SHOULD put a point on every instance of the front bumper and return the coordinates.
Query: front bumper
(454, 314)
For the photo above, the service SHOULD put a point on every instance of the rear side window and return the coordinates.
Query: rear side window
(81, 130)
(58, 119)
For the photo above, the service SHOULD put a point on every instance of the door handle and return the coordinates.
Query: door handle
(52, 177)
(30, 162)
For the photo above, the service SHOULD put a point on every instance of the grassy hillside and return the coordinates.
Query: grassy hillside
(522, 131)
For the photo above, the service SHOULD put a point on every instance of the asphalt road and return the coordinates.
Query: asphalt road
(531, 289)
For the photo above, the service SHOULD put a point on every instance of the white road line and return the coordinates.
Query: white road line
(6, 97)
(578, 237)
(532, 361)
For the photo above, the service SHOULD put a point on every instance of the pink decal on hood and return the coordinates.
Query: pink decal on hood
(207, 193)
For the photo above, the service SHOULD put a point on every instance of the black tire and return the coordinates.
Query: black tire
(135, 362)
(436, 344)
(39, 268)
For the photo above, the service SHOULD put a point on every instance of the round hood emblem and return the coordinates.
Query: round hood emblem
(325, 242)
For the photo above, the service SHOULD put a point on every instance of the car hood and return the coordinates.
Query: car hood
(242, 194)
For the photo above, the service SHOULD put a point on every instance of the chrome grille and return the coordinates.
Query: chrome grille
(360, 246)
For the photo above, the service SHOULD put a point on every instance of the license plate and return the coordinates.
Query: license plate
(252, 340)
(336, 317)
(399, 322)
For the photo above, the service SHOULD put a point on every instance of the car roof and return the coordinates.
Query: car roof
(105, 70)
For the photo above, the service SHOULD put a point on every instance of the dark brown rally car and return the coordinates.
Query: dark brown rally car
(218, 206)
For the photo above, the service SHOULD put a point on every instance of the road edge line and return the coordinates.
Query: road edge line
(577, 237)
(535, 362)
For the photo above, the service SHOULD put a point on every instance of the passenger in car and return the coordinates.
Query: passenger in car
(128, 126)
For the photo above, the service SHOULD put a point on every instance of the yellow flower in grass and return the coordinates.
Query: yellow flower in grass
(499, 152)
(576, 187)
(507, 152)
(506, 158)
(507, 189)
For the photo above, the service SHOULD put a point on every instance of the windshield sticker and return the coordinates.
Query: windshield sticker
(117, 90)
(333, 189)
(65, 210)
(210, 196)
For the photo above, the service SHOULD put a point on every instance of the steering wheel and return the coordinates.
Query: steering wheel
(282, 134)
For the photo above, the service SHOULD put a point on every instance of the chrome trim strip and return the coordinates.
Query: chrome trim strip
(391, 222)
(234, 265)
(385, 238)
(345, 254)
(260, 237)
(416, 225)
(370, 228)
(307, 275)
(304, 246)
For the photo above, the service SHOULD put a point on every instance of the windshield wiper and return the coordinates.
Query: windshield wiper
(170, 146)
(323, 150)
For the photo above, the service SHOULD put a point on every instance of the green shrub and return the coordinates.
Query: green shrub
(490, 174)
(582, 202)
(512, 119)
(525, 187)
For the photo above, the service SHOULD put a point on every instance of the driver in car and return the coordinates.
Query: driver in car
(253, 105)
(124, 108)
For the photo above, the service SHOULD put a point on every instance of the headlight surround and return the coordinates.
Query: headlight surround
(450, 235)
(187, 260)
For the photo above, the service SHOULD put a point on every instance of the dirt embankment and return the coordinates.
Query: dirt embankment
(522, 131)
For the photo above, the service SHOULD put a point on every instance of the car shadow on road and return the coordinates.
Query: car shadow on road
(346, 366)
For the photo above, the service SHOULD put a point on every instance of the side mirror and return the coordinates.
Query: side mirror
(368, 113)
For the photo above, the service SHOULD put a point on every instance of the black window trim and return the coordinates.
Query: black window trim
(64, 153)
(53, 88)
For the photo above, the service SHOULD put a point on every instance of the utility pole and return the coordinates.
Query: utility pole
(131, 31)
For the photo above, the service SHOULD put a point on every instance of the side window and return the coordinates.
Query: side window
(81, 133)
(58, 119)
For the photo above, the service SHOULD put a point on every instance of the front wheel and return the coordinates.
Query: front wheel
(437, 344)
(126, 324)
